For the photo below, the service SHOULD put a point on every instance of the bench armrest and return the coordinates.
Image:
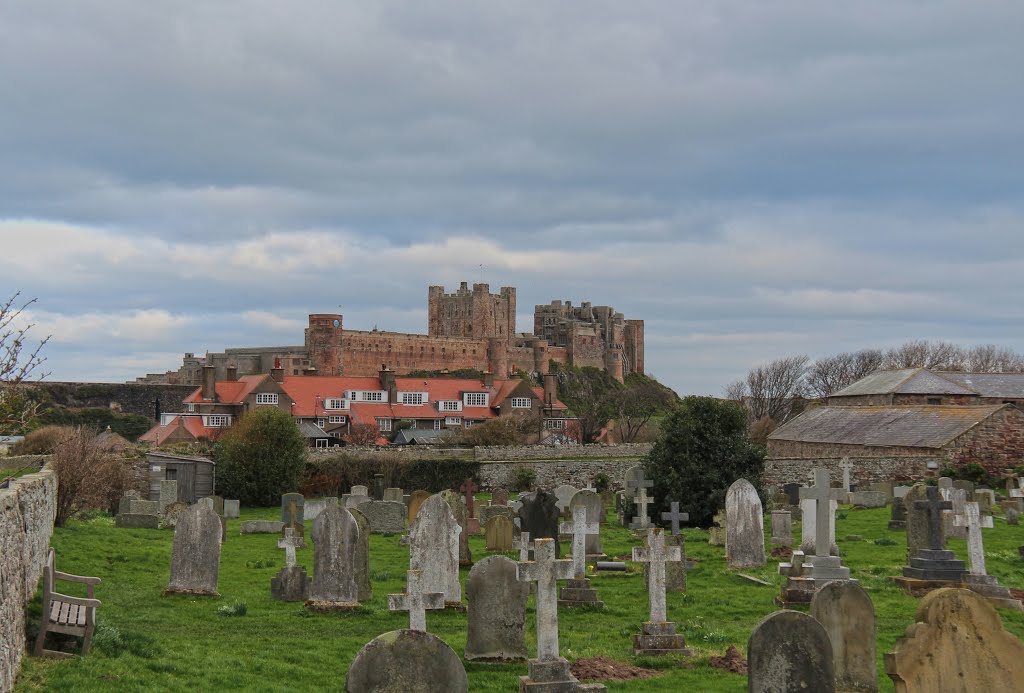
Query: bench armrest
(76, 578)
(80, 601)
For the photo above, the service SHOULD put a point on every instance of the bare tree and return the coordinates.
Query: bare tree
(989, 358)
(830, 374)
(88, 474)
(736, 391)
(362, 434)
(921, 353)
(19, 363)
(772, 388)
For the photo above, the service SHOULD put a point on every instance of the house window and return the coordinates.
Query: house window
(266, 398)
(555, 423)
(320, 422)
(190, 407)
(334, 404)
(171, 474)
(218, 420)
(371, 396)
(336, 419)
(322, 442)
(437, 424)
(476, 399)
(453, 420)
(384, 424)
(451, 405)
(521, 402)
(412, 398)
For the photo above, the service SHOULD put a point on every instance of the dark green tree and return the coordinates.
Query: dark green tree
(261, 457)
(703, 448)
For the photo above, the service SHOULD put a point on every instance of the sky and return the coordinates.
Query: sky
(754, 179)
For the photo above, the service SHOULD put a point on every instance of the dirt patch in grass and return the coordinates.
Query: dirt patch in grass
(782, 552)
(606, 669)
(1017, 594)
(732, 661)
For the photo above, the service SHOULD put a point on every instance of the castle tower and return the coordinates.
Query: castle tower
(324, 344)
(475, 313)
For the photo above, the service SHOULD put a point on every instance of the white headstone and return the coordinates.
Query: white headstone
(434, 548)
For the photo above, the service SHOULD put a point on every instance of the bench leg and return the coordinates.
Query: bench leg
(87, 641)
(40, 639)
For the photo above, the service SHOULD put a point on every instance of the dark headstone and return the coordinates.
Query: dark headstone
(539, 516)
(792, 492)
(362, 560)
(789, 652)
(378, 487)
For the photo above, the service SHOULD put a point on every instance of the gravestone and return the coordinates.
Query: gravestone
(792, 491)
(716, 533)
(143, 507)
(291, 583)
(675, 571)
(312, 508)
(232, 509)
(1012, 516)
(978, 578)
(168, 493)
(744, 526)
(564, 494)
(548, 668)
(361, 565)
(499, 497)
(292, 509)
(468, 488)
(497, 612)
(378, 487)
(985, 498)
(808, 527)
(867, 499)
(124, 505)
(847, 469)
(395, 495)
(641, 502)
(674, 517)
(488, 512)
(591, 501)
(958, 499)
(261, 527)
(415, 601)
(966, 486)
(172, 512)
(789, 652)
(195, 553)
(461, 515)
(499, 534)
(218, 504)
(335, 540)
(385, 517)
(957, 645)
(539, 516)
(578, 592)
(434, 549)
(415, 501)
(782, 528)
(824, 566)
(933, 562)
(657, 635)
(406, 661)
(898, 514)
(845, 610)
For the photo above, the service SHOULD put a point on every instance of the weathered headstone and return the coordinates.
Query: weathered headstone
(292, 512)
(932, 562)
(564, 494)
(218, 504)
(539, 516)
(591, 501)
(261, 527)
(335, 540)
(385, 517)
(1012, 516)
(579, 592)
(487, 512)
(789, 652)
(744, 526)
(958, 645)
(291, 583)
(809, 529)
(867, 499)
(124, 505)
(499, 534)
(172, 512)
(658, 635)
(415, 601)
(394, 494)
(898, 514)
(144, 507)
(548, 668)
(232, 509)
(168, 493)
(468, 488)
(434, 549)
(978, 579)
(361, 565)
(985, 498)
(461, 515)
(497, 612)
(847, 469)
(406, 661)
(848, 616)
(195, 553)
(499, 497)
(313, 507)
(716, 533)
(958, 499)
(524, 546)
(378, 487)
(782, 528)
(415, 501)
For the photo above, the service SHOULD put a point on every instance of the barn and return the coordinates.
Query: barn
(195, 475)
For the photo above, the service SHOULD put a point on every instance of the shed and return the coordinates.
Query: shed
(195, 475)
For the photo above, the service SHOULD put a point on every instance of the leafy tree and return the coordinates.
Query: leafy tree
(636, 404)
(260, 458)
(702, 450)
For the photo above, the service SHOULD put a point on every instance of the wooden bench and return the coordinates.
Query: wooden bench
(65, 614)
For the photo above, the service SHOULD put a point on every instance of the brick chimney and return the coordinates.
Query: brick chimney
(387, 382)
(488, 379)
(277, 374)
(209, 382)
(550, 390)
(232, 372)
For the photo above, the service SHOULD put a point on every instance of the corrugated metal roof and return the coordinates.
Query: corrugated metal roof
(1009, 385)
(918, 427)
(906, 381)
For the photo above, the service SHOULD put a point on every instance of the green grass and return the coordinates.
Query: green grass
(147, 642)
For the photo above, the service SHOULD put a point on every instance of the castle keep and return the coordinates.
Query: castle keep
(470, 328)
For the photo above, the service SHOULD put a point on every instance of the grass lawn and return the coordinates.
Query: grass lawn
(146, 642)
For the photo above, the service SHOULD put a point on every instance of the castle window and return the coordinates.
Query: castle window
(266, 398)
(521, 402)
(476, 399)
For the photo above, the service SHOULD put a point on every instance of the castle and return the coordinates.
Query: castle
(467, 329)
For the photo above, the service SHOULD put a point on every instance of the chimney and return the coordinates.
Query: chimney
(277, 374)
(232, 372)
(387, 381)
(209, 382)
(488, 379)
(550, 389)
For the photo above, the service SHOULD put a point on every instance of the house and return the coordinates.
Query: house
(917, 386)
(329, 408)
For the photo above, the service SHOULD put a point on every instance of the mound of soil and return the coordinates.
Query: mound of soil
(782, 552)
(732, 661)
(605, 669)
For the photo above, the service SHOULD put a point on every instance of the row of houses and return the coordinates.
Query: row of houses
(329, 410)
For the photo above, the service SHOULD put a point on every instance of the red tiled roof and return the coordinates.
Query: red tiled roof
(308, 392)
(230, 391)
(192, 424)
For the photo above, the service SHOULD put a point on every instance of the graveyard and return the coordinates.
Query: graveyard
(151, 639)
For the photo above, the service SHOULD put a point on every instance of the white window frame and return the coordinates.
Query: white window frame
(323, 443)
(469, 399)
(216, 420)
(453, 421)
(413, 399)
(554, 424)
(266, 398)
(371, 395)
(450, 405)
(190, 407)
(437, 424)
(321, 423)
(383, 424)
(336, 419)
(335, 403)
(522, 403)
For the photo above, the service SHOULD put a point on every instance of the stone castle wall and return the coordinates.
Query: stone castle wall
(27, 511)
(131, 398)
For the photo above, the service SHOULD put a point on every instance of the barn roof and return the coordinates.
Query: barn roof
(916, 427)
(1009, 385)
(906, 381)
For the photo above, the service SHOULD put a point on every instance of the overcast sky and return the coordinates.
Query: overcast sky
(752, 178)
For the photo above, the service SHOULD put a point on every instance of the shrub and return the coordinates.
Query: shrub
(334, 474)
(42, 442)
(260, 458)
(601, 482)
(703, 448)
(505, 430)
(972, 472)
(524, 478)
(438, 475)
(88, 475)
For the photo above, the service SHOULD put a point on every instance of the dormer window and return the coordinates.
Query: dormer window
(335, 404)
(412, 398)
(475, 399)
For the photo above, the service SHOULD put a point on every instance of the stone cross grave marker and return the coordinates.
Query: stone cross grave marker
(415, 601)
(524, 546)
(289, 543)
(640, 498)
(847, 467)
(821, 493)
(932, 507)
(675, 517)
(545, 570)
(931, 561)
(579, 528)
(656, 554)
(469, 488)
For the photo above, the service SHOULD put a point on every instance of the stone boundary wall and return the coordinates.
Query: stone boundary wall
(397, 452)
(552, 473)
(511, 453)
(783, 470)
(27, 511)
